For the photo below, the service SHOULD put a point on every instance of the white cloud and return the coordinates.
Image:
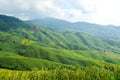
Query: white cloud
(95, 11)
(102, 11)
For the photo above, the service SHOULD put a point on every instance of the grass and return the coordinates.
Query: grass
(61, 73)
(25, 63)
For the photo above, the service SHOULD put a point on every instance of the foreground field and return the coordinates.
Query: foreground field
(61, 73)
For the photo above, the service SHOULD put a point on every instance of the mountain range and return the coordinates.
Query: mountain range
(105, 31)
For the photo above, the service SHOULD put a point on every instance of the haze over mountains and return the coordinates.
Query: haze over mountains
(105, 31)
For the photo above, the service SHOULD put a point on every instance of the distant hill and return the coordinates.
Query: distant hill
(106, 31)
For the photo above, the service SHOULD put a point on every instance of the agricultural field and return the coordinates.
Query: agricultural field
(61, 73)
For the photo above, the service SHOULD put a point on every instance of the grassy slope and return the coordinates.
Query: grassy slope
(52, 55)
(26, 46)
(14, 61)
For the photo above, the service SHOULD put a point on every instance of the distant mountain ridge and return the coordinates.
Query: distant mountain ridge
(106, 31)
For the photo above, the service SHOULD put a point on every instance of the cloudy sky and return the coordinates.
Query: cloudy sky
(94, 11)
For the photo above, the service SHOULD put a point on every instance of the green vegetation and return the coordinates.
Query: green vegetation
(25, 46)
(61, 73)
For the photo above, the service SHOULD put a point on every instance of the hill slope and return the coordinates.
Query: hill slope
(106, 31)
(22, 43)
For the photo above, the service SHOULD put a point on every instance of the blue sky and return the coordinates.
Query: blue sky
(94, 11)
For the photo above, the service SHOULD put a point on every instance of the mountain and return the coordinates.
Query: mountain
(105, 31)
(60, 40)
(25, 46)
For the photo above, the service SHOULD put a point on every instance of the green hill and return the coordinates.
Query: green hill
(25, 46)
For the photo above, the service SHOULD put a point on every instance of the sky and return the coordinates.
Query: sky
(105, 12)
